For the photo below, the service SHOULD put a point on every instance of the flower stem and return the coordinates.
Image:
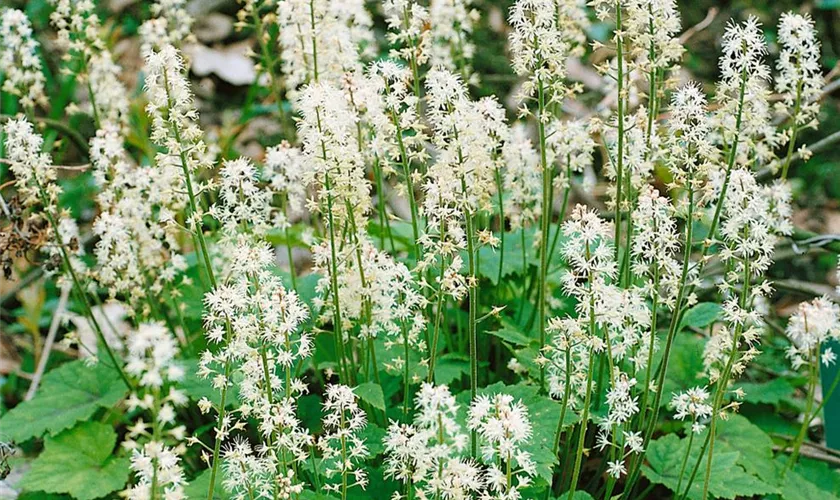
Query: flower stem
(545, 218)
(813, 381)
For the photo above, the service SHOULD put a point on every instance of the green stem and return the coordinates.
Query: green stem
(563, 407)
(813, 381)
(409, 183)
(544, 222)
(669, 341)
(685, 458)
(77, 284)
(472, 321)
(314, 40)
(563, 207)
(499, 190)
(619, 170)
(583, 422)
(794, 130)
(724, 381)
(438, 317)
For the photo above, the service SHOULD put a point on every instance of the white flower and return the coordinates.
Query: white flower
(689, 139)
(35, 181)
(616, 469)
(655, 245)
(587, 249)
(336, 168)
(522, 178)
(450, 31)
(800, 80)
(812, 324)
(623, 405)
(341, 445)
(408, 458)
(19, 60)
(407, 20)
(505, 428)
(287, 169)
(161, 464)
(544, 35)
(437, 412)
(375, 292)
(652, 27)
(32, 169)
(135, 252)
(752, 217)
(569, 360)
(321, 40)
(170, 24)
(242, 201)
(692, 403)
(468, 135)
(172, 109)
(152, 350)
(570, 145)
(77, 25)
(743, 91)
(79, 29)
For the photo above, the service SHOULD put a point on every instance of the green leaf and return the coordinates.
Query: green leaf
(371, 393)
(728, 480)
(311, 495)
(772, 392)
(40, 495)
(738, 434)
(701, 315)
(819, 474)
(68, 394)
(489, 259)
(450, 367)
(685, 366)
(78, 462)
(198, 487)
(512, 336)
(796, 487)
(579, 495)
(373, 436)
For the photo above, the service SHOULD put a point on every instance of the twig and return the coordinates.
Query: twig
(831, 87)
(705, 23)
(806, 287)
(815, 455)
(818, 146)
(78, 168)
(813, 240)
(817, 446)
(48, 344)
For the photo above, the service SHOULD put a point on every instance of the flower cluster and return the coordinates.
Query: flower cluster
(341, 444)
(151, 360)
(693, 403)
(799, 81)
(813, 323)
(505, 428)
(170, 24)
(321, 40)
(22, 73)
